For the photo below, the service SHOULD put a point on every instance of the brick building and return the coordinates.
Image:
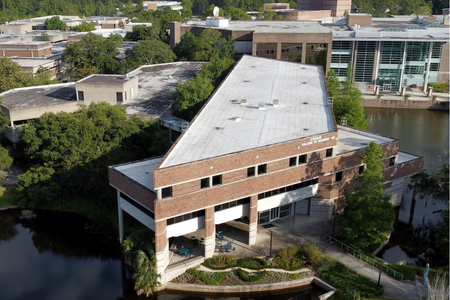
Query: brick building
(265, 146)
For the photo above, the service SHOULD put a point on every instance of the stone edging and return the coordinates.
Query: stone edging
(251, 287)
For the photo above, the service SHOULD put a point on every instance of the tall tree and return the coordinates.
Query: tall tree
(92, 54)
(147, 52)
(204, 47)
(367, 212)
(55, 23)
(347, 101)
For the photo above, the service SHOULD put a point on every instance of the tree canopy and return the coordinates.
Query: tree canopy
(92, 54)
(208, 45)
(191, 95)
(367, 212)
(55, 23)
(84, 26)
(347, 101)
(69, 153)
(11, 76)
(147, 52)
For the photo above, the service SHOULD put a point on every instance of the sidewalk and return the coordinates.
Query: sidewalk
(315, 230)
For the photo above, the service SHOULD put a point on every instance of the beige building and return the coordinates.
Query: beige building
(338, 7)
(112, 89)
(32, 65)
(25, 49)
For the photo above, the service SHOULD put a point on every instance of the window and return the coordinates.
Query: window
(204, 183)
(125, 96)
(392, 161)
(80, 96)
(251, 172)
(292, 161)
(339, 176)
(329, 152)
(166, 192)
(119, 97)
(262, 169)
(361, 169)
(217, 180)
(302, 159)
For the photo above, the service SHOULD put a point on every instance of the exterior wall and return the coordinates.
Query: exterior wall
(360, 19)
(151, 6)
(263, 40)
(276, 6)
(299, 15)
(337, 6)
(444, 74)
(15, 29)
(133, 189)
(25, 50)
(35, 112)
(106, 92)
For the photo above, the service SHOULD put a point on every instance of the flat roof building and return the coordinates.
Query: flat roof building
(264, 146)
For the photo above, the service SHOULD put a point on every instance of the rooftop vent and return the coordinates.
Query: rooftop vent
(237, 119)
(184, 126)
(276, 102)
(246, 80)
(243, 101)
(304, 82)
(219, 128)
(305, 102)
(261, 105)
(305, 129)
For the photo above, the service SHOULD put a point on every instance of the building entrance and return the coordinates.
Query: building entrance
(387, 87)
(275, 213)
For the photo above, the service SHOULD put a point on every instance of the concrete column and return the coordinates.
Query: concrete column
(403, 67)
(303, 53)
(253, 226)
(161, 246)
(119, 206)
(427, 73)
(210, 232)
(377, 62)
(278, 50)
(430, 92)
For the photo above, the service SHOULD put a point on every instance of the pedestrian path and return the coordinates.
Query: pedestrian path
(308, 231)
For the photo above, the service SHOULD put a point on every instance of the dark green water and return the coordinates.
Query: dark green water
(424, 133)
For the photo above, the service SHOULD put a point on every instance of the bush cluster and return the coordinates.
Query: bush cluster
(250, 277)
(439, 88)
(210, 278)
(220, 262)
(254, 263)
(346, 281)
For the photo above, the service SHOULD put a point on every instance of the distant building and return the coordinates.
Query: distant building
(337, 7)
(146, 92)
(158, 5)
(388, 52)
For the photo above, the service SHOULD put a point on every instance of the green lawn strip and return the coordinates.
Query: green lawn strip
(7, 196)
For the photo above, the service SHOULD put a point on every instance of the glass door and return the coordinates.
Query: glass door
(274, 213)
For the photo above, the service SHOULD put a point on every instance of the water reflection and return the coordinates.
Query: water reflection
(424, 133)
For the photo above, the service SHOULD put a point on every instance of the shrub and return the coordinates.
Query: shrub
(408, 95)
(314, 255)
(346, 280)
(210, 278)
(220, 262)
(254, 263)
(250, 277)
(440, 88)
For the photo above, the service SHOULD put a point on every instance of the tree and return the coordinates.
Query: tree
(143, 32)
(92, 54)
(83, 27)
(367, 212)
(436, 186)
(205, 47)
(12, 77)
(55, 23)
(147, 52)
(347, 101)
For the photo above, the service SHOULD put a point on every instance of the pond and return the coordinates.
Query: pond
(56, 255)
(424, 133)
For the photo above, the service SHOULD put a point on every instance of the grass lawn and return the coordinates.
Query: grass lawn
(6, 195)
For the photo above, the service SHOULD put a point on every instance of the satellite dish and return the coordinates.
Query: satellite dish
(216, 11)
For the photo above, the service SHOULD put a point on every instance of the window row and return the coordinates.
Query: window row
(232, 204)
(262, 169)
(288, 188)
(339, 175)
(185, 217)
(208, 181)
(294, 162)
